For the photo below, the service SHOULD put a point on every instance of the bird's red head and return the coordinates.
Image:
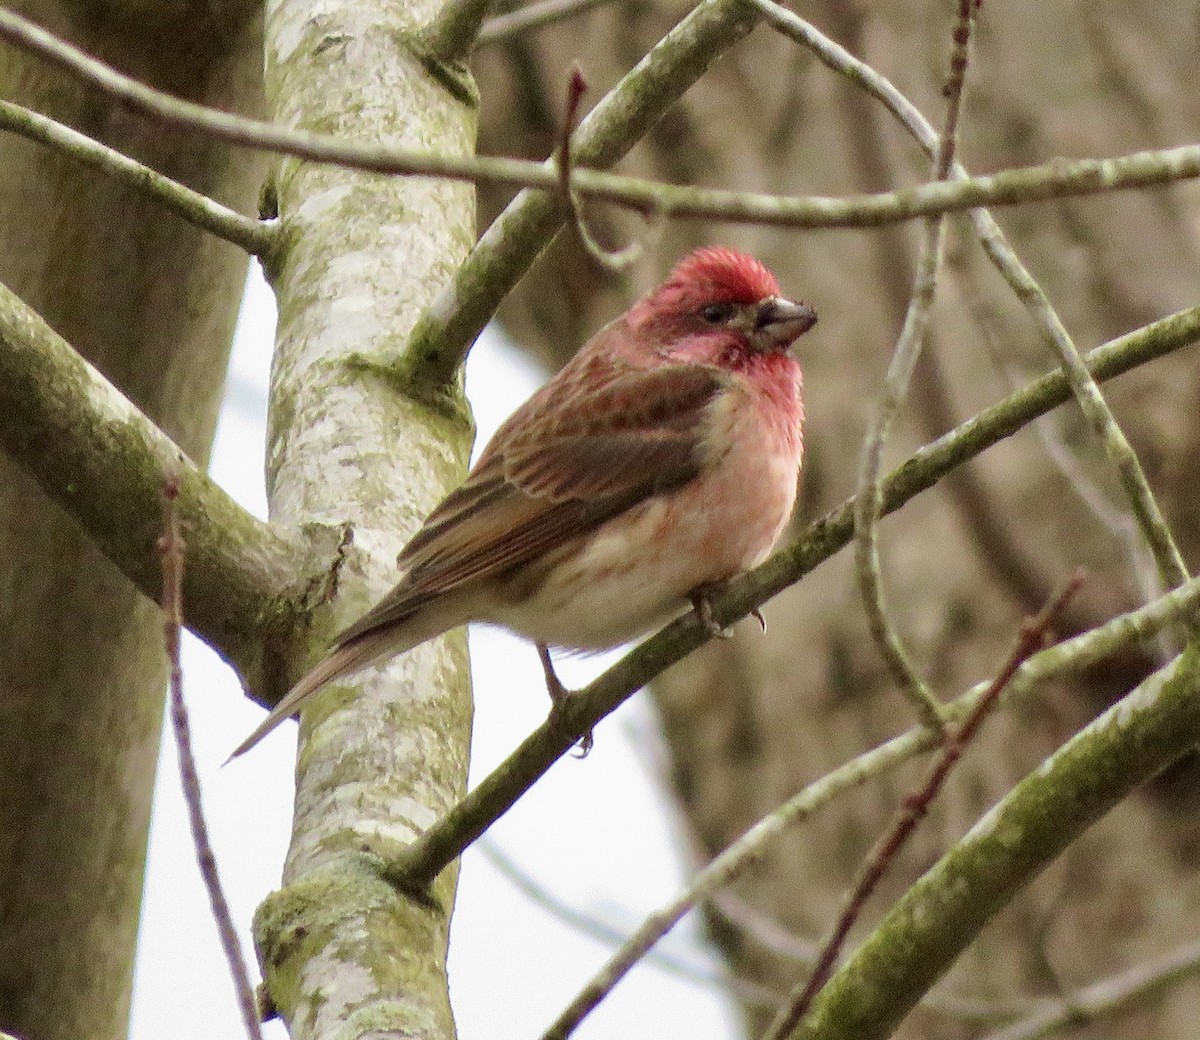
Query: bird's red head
(716, 274)
(719, 305)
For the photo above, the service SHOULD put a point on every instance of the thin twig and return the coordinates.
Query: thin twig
(764, 930)
(610, 260)
(1073, 655)
(914, 808)
(425, 858)
(532, 16)
(895, 388)
(944, 910)
(733, 861)
(254, 236)
(596, 927)
(1108, 997)
(171, 546)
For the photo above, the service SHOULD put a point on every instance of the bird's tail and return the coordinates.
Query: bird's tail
(349, 657)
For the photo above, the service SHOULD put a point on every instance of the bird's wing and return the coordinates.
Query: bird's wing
(543, 483)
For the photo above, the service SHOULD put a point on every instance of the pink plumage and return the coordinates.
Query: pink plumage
(659, 462)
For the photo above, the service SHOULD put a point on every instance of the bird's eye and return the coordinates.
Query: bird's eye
(715, 313)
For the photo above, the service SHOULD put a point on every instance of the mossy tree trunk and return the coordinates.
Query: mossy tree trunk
(152, 302)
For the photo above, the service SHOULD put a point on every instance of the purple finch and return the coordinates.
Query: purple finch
(661, 461)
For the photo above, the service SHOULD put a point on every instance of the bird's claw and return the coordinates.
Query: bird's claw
(702, 605)
(762, 621)
(558, 701)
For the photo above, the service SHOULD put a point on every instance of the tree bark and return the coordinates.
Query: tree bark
(152, 302)
(360, 444)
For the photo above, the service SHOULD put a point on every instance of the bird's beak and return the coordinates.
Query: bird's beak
(778, 323)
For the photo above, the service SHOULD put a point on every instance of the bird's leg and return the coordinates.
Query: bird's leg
(559, 694)
(702, 604)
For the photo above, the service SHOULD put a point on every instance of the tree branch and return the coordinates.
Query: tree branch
(933, 922)
(451, 36)
(867, 566)
(419, 863)
(105, 463)
(611, 131)
(253, 236)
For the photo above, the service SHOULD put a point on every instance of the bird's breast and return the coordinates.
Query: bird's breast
(753, 454)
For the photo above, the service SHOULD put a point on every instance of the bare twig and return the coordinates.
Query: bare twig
(946, 908)
(251, 235)
(1108, 997)
(532, 16)
(171, 547)
(728, 865)
(598, 928)
(913, 809)
(895, 388)
(610, 260)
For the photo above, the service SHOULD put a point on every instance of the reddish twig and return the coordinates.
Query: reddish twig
(576, 88)
(170, 545)
(914, 807)
(609, 259)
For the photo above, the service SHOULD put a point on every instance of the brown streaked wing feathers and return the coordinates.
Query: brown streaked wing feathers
(532, 493)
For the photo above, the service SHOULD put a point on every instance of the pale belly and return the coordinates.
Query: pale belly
(637, 570)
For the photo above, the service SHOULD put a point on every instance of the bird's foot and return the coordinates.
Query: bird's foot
(702, 604)
(558, 699)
